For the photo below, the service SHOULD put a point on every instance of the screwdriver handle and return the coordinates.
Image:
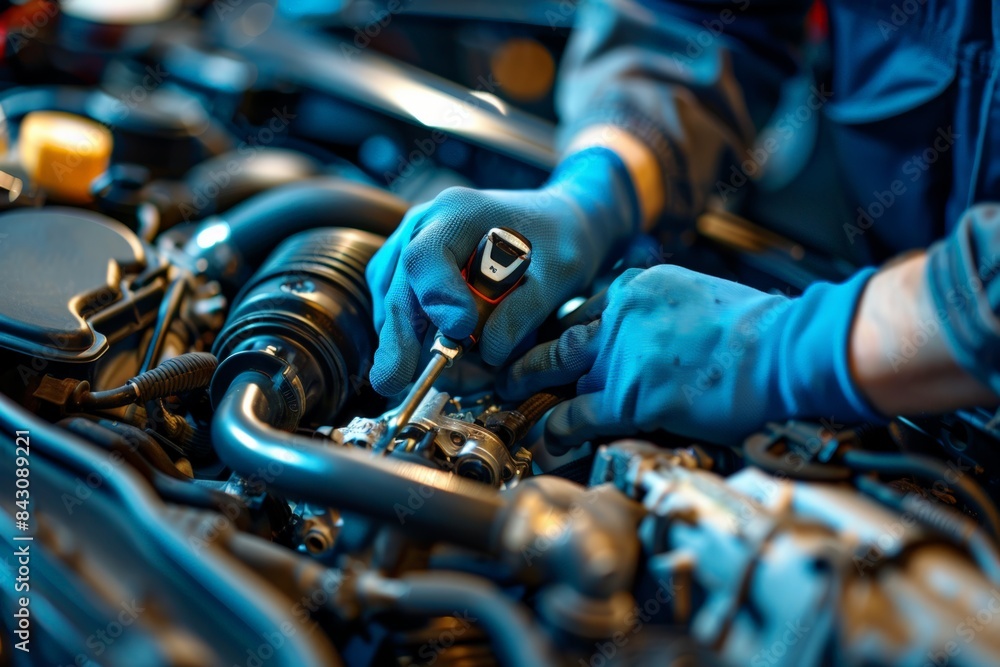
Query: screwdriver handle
(493, 272)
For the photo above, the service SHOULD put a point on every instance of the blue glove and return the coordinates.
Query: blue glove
(698, 356)
(575, 223)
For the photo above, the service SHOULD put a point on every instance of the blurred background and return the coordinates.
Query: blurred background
(194, 189)
(367, 82)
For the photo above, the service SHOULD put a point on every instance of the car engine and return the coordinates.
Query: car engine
(197, 472)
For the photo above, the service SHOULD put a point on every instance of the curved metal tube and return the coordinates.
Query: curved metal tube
(423, 501)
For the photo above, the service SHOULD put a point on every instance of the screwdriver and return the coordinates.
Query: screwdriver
(493, 271)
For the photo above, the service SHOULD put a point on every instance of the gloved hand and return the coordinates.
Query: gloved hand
(575, 223)
(698, 356)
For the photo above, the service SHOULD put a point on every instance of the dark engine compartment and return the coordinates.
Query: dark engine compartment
(184, 353)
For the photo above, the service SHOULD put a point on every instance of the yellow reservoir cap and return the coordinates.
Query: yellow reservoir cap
(63, 153)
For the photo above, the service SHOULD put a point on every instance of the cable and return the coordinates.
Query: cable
(419, 500)
(944, 520)
(169, 307)
(928, 469)
(136, 448)
(179, 374)
(535, 406)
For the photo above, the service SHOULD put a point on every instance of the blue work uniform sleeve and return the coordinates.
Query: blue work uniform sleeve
(692, 80)
(963, 277)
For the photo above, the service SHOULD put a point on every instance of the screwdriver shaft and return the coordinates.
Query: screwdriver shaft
(404, 413)
(493, 271)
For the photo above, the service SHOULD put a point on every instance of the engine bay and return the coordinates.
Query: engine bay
(186, 333)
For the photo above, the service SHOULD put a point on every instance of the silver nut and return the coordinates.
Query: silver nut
(447, 348)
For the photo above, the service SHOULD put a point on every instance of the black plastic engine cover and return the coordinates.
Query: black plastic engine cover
(59, 267)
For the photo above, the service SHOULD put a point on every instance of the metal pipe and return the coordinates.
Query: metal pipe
(422, 501)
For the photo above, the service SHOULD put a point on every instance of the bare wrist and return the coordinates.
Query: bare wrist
(898, 355)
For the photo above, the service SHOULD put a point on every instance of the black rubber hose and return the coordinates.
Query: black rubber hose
(928, 469)
(515, 637)
(255, 172)
(184, 372)
(260, 609)
(130, 444)
(422, 501)
(511, 426)
(196, 443)
(169, 307)
(535, 406)
(943, 520)
(169, 483)
(293, 573)
(258, 224)
(760, 450)
(146, 445)
(310, 306)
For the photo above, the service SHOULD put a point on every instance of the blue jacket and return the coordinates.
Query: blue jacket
(914, 101)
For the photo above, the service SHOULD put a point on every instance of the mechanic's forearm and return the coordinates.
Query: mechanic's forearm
(695, 108)
(899, 356)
